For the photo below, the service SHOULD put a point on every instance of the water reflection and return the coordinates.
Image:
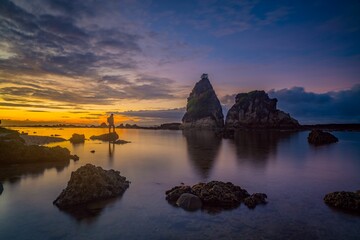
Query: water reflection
(202, 148)
(89, 213)
(111, 152)
(257, 146)
(13, 173)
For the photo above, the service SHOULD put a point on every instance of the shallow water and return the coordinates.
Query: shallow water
(293, 174)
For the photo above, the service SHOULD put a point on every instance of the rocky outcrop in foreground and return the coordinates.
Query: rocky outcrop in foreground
(349, 201)
(256, 110)
(107, 137)
(90, 183)
(77, 138)
(318, 137)
(14, 150)
(214, 194)
(203, 110)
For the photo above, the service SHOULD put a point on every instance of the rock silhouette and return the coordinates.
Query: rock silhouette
(318, 137)
(256, 110)
(90, 183)
(203, 110)
(77, 138)
(349, 201)
(107, 137)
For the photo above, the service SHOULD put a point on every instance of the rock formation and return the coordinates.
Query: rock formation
(344, 200)
(318, 137)
(107, 137)
(90, 183)
(1, 188)
(13, 150)
(203, 110)
(77, 138)
(256, 110)
(216, 194)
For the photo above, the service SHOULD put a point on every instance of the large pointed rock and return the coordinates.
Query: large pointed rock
(256, 110)
(203, 110)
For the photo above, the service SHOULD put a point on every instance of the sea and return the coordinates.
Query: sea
(294, 174)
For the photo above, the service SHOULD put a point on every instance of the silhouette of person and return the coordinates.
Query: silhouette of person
(110, 121)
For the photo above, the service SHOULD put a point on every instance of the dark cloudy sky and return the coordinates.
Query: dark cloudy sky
(75, 61)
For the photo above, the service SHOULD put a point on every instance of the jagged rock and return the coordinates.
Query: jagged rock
(108, 137)
(216, 194)
(256, 110)
(203, 110)
(344, 200)
(189, 202)
(77, 138)
(121, 141)
(255, 199)
(318, 137)
(90, 183)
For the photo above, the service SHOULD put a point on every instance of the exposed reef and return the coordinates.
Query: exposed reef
(213, 195)
(256, 110)
(203, 110)
(107, 137)
(14, 150)
(349, 201)
(90, 183)
(319, 137)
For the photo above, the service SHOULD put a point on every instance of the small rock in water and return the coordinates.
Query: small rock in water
(189, 202)
(108, 137)
(77, 138)
(318, 137)
(90, 183)
(255, 199)
(349, 201)
(92, 151)
(74, 157)
(121, 141)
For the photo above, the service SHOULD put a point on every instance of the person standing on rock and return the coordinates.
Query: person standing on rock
(110, 121)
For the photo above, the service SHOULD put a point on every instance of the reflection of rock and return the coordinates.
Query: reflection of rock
(203, 110)
(90, 183)
(106, 137)
(256, 110)
(257, 146)
(215, 194)
(318, 137)
(13, 173)
(202, 148)
(189, 202)
(91, 211)
(344, 200)
(77, 138)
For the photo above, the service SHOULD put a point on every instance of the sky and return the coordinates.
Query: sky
(74, 62)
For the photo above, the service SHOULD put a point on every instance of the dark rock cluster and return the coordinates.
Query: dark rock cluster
(349, 201)
(203, 108)
(214, 194)
(319, 137)
(256, 110)
(77, 138)
(90, 183)
(14, 150)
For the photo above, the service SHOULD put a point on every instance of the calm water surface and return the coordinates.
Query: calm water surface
(295, 176)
